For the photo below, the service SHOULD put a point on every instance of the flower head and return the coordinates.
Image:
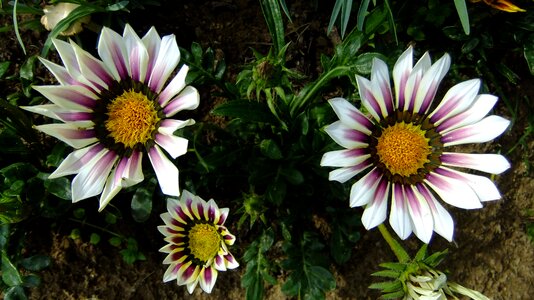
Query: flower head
(400, 148)
(197, 240)
(116, 109)
(433, 285)
(53, 14)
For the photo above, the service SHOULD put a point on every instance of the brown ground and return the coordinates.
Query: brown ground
(491, 252)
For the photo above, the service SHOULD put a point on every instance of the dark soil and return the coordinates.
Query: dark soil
(491, 251)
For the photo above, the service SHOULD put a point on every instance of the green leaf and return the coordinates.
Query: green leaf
(461, 8)
(94, 239)
(142, 201)
(110, 218)
(528, 52)
(246, 110)
(292, 175)
(394, 266)
(387, 286)
(4, 66)
(115, 241)
(364, 62)
(387, 273)
(26, 70)
(31, 280)
(276, 191)
(10, 274)
(36, 262)
(270, 149)
(59, 187)
(15, 293)
(362, 13)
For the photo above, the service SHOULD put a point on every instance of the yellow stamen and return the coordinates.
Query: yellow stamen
(204, 241)
(403, 148)
(132, 118)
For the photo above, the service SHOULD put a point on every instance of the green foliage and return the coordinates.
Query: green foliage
(258, 266)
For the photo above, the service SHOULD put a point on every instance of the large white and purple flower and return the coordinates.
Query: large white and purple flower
(198, 242)
(400, 147)
(115, 109)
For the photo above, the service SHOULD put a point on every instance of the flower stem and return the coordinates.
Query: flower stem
(395, 246)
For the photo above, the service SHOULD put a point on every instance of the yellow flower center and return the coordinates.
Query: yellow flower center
(132, 118)
(204, 241)
(403, 148)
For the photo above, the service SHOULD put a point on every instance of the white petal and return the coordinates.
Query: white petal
(429, 84)
(483, 187)
(63, 114)
(70, 133)
(207, 285)
(167, 59)
(137, 54)
(127, 173)
(350, 115)
(489, 163)
(399, 217)
(70, 97)
(92, 69)
(152, 42)
(174, 145)
(188, 99)
(169, 126)
(443, 222)
(112, 50)
(344, 158)
(365, 89)
(414, 80)
(48, 110)
(174, 87)
(381, 86)
(344, 174)
(362, 191)
(401, 73)
(60, 72)
(375, 213)
(480, 108)
(483, 131)
(420, 214)
(92, 177)
(76, 160)
(453, 191)
(68, 57)
(456, 100)
(346, 136)
(166, 172)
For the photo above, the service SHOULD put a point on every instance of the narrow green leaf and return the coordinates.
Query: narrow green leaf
(528, 52)
(362, 13)
(10, 274)
(461, 8)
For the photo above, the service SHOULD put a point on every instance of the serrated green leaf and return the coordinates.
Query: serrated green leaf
(421, 253)
(394, 266)
(387, 286)
(387, 273)
(36, 262)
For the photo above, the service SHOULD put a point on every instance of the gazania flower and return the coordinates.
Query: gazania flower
(401, 147)
(197, 241)
(503, 5)
(114, 110)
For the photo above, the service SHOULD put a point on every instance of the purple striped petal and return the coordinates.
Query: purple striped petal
(484, 188)
(362, 191)
(224, 214)
(231, 263)
(174, 87)
(480, 108)
(137, 54)
(489, 163)
(381, 86)
(92, 69)
(414, 80)
(91, 179)
(453, 191)
(420, 214)
(207, 276)
(188, 99)
(443, 223)
(350, 115)
(399, 217)
(169, 126)
(71, 134)
(166, 172)
(375, 212)
(345, 158)
(343, 174)
(68, 57)
(112, 50)
(166, 61)
(429, 84)
(456, 100)
(346, 136)
(174, 145)
(369, 101)
(73, 163)
(152, 42)
(69, 97)
(483, 131)
(401, 73)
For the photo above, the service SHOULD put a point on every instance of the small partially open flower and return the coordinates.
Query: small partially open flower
(503, 5)
(433, 285)
(53, 14)
(197, 240)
